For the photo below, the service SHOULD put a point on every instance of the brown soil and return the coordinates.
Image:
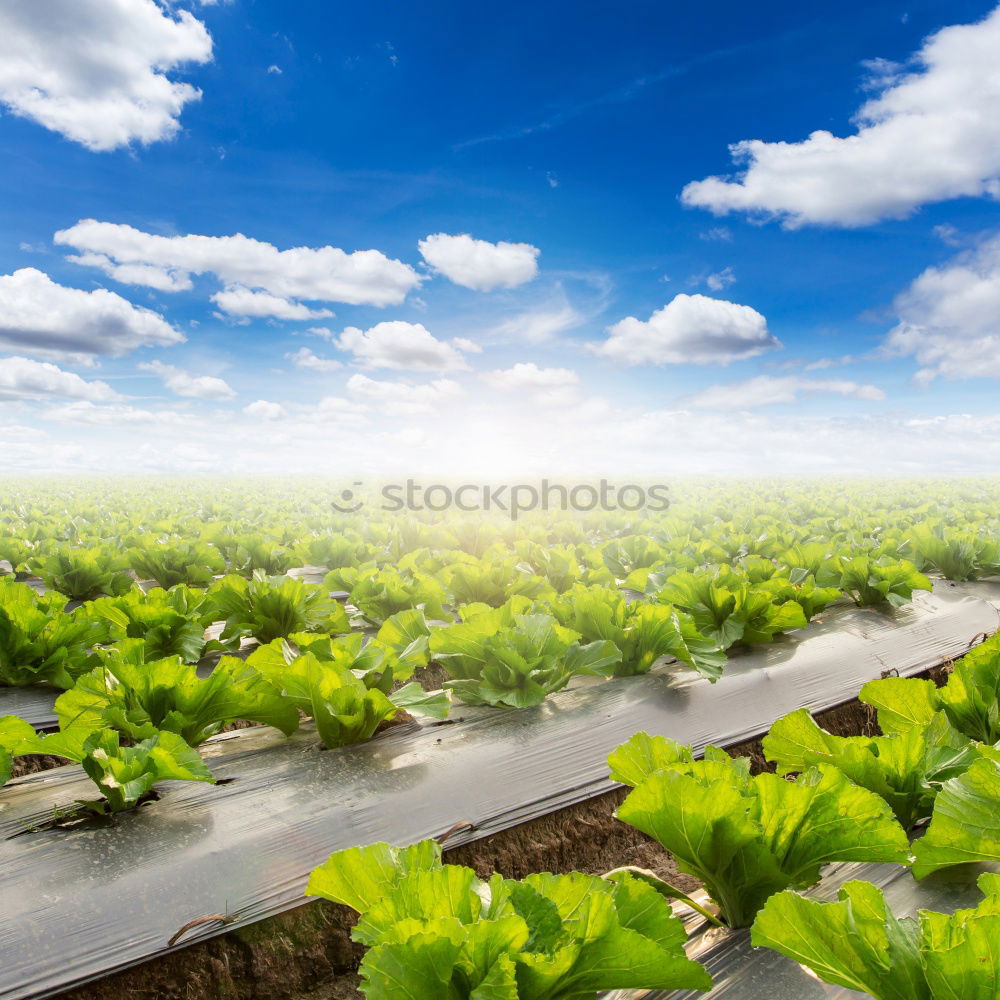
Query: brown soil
(34, 763)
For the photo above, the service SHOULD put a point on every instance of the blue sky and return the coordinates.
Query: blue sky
(560, 150)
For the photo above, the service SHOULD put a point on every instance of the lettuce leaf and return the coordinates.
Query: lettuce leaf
(906, 769)
(140, 698)
(745, 837)
(436, 930)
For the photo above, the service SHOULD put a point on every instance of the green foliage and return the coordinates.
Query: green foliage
(381, 593)
(965, 824)
(13, 732)
(905, 768)
(727, 609)
(970, 699)
(389, 659)
(493, 581)
(745, 837)
(269, 608)
(39, 642)
(956, 555)
(343, 707)
(83, 574)
(171, 561)
(436, 931)
(500, 657)
(123, 775)
(858, 943)
(169, 622)
(140, 698)
(869, 581)
(642, 632)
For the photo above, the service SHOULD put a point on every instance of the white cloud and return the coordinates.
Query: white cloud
(21, 378)
(527, 375)
(544, 386)
(241, 264)
(721, 279)
(275, 70)
(400, 399)
(263, 409)
(765, 390)
(400, 345)
(184, 384)
(304, 358)
(690, 329)
(466, 345)
(239, 301)
(49, 320)
(86, 412)
(948, 317)
(931, 134)
(478, 264)
(538, 325)
(95, 71)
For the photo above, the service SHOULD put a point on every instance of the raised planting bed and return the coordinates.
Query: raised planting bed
(85, 901)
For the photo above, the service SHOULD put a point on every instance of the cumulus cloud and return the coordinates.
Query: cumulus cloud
(478, 264)
(263, 409)
(115, 416)
(690, 329)
(527, 375)
(948, 317)
(543, 386)
(401, 345)
(185, 384)
(49, 320)
(258, 278)
(239, 301)
(304, 358)
(766, 390)
(21, 378)
(399, 398)
(95, 71)
(932, 133)
(721, 279)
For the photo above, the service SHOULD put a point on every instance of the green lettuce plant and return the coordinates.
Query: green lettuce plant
(727, 609)
(40, 643)
(436, 931)
(171, 561)
(169, 622)
(643, 633)
(906, 769)
(858, 943)
(140, 698)
(269, 608)
(965, 823)
(83, 574)
(746, 837)
(970, 699)
(343, 707)
(499, 657)
(124, 775)
(869, 580)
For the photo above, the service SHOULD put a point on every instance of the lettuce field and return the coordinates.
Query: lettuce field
(542, 758)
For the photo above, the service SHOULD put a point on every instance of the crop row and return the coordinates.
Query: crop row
(433, 930)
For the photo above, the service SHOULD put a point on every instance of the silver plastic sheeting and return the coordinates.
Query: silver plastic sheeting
(79, 903)
(744, 973)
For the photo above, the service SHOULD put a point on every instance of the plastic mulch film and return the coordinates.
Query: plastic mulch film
(744, 973)
(84, 901)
